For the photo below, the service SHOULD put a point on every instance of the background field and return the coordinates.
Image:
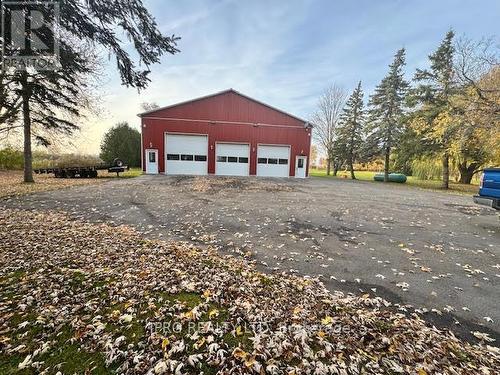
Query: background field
(412, 181)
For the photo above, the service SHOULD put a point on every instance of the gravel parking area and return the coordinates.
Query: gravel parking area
(437, 252)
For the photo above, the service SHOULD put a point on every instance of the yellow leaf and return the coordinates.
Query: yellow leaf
(250, 361)
(165, 342)
(327, 320)
(213, 313)
(422, 372)
(199, 343)
(239, 331)
(240, 354)
(297, 310)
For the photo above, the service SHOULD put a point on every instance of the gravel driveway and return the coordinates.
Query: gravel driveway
(437, 252)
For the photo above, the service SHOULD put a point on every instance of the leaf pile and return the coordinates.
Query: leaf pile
(82, 298)
(11, 183)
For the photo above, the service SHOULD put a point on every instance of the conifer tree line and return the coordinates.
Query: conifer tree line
(449, 111)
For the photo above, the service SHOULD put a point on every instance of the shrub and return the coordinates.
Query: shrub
(123, 142)
(11, 159)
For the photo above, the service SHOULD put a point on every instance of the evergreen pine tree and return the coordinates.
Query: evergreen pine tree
(437, 86)
(350, 132)
(387, 109)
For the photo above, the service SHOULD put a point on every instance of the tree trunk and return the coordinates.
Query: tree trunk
(446, 171)
(467, 172)
(28, 159)
(387, 162)
(328, 167)
(351, 167)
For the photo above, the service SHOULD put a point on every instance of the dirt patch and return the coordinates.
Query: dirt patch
(213, 185)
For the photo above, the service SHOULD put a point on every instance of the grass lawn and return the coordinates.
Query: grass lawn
(133, 172)
(412, 181)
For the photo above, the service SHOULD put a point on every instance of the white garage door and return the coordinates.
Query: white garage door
(273, 161)
(186, 154)
(232, 159)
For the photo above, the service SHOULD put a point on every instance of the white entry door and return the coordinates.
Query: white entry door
(273, 161)
(151, 161)
(232, 159)
(300, 166)
(186, 154)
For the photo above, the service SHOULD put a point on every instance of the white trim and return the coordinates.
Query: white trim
(274, 144)
(214, 122)
(143, 170)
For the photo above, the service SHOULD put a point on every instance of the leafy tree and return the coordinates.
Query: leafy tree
(122, 142)
(387, 110)
(326, 119)
(350, 132)
(54, 100)
(477, 69)
(435, 118)
(478, 135)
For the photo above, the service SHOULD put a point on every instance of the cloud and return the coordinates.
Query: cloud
(285, 53)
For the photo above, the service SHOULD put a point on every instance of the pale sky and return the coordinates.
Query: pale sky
(285, 53)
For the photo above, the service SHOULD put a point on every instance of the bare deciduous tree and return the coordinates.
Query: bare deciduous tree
(326, 119)
(476, 64)
(149, 106)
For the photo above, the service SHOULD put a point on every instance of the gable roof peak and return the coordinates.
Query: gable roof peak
(230, 90)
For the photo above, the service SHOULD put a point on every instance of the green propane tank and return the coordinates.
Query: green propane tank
(393, 177)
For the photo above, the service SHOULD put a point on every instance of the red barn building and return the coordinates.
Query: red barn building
(228, 134)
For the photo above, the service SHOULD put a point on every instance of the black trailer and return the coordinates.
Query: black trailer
(84, 172)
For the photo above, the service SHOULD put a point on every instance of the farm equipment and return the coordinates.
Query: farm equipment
(84, 172)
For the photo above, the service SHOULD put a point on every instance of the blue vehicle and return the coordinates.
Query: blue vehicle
(489, 189)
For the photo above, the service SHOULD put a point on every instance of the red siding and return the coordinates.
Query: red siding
(228, 106)
(229, 117)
